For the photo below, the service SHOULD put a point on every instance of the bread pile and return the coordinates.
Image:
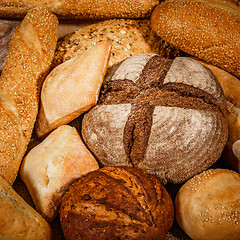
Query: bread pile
(128, 127)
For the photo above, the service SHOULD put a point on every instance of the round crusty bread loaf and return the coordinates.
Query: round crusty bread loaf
(208, 206)
(116, 203)
(209, 30)
(129, 37)
(163, 116)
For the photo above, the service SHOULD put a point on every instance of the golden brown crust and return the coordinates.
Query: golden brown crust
(208, 205)
(19, 221)
(129, 37)
(231, 89)
(30, 55)
(209, 30)
(116, 203)
(81, 9)
(50, 167)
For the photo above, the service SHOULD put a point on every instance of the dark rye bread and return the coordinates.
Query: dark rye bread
(163, 116)
(116, 203)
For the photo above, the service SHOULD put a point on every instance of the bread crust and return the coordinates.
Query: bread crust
(129, 37)
(83, 9)
(116, 203)
(29, 58)
(50, 168)
(19, 221)
(207, 207)
(209, 30)
(164, 116)
(231, 89)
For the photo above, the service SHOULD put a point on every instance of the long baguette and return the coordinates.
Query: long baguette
(81, 9)
(30, 55)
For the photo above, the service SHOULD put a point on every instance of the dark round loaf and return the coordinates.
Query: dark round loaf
(116, 203)
(160, 115)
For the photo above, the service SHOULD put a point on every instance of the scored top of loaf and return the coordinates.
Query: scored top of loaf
(158, 114)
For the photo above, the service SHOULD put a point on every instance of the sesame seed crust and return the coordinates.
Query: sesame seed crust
(209, 30)
(208, 205)
(30, 54)
(85, 9)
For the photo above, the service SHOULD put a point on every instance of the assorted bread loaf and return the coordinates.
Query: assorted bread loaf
(19, 221)
(72, 88)
(231, 89)
(155, 98)
(86, 9)
(128, 36)
(116, 203)
(30, 55)
(236, 152)
(164, 116)
(208, 205)
(50, 167)
(208, 29)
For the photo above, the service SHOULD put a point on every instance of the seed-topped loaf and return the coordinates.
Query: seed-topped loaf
(163, 116)
(208, 205)
(84, 9)
(209, 30)
(28, 61)
(128, 36)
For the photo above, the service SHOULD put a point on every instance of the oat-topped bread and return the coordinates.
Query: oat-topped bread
(209, 30)
(116, 203)
(161, 115)
(129, 37)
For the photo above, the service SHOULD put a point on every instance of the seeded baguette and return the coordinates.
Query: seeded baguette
(209, 30)
(83, 9)
(30, 55)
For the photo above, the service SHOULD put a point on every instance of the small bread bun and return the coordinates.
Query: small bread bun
(209, 30)
(208, 205)
(116, 203)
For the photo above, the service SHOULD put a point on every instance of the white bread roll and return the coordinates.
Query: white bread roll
(208, 206)
(50, 167)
